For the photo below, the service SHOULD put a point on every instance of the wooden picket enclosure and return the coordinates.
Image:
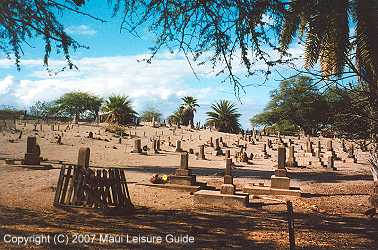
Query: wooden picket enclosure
(103, 189)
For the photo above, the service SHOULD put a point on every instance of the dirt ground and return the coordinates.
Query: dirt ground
(329, 215)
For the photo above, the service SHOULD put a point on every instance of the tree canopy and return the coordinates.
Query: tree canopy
(75, 104)
(41, 109)
(298, 104)
(224, 116)
(296, 101)
(21, 20)
(188, 107)
(150, 114)
(119, 109)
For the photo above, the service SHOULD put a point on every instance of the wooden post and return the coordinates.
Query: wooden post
(290, 221)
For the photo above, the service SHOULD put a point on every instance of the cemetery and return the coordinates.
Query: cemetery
(103, 178)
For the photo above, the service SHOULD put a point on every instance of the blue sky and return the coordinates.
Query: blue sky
(110, 66)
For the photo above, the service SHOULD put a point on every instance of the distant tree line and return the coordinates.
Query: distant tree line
(84, 106)
(297, 104)
(117, 109)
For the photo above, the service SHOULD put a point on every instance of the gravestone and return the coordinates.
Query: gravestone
(309, 151)
(226, 197)
(331, 163)
(183, 175)
(264, 153)
(137, 146)
(330, 150)
(250, 156)
(217, 150)
(228, 186)
(211, 144)
(154, 146)
(279, 179)
(201, 153)
(269, 143)
(83, 157)
(319, 149)
(33, 152)
(351, 157)
(59, 140)
(178, 146)
(291, 161)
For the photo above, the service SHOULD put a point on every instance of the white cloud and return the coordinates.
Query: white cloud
(5, 84)
(163, 82)
(81, 30)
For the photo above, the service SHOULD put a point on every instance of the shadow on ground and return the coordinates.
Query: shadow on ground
(304, 175)
(213, 229)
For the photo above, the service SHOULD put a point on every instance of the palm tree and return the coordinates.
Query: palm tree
(224, 116)
(188, 108)
(177, 117)
(324, 25)
(119, 109)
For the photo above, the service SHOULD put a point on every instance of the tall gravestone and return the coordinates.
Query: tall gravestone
(280, 180)
(291, 161)
(33, 152)
(178, 146)
(228, 186)
(83, 157)
(201, 154)
(330, 150)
